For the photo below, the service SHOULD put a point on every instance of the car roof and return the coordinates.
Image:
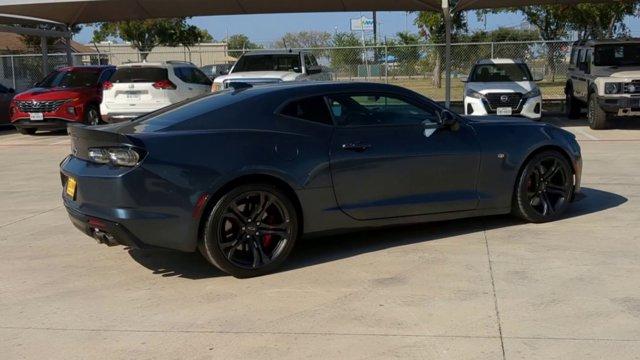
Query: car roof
(589, 43)
(156, 64)
(318, 88)
(499, 61)
(86, 68)
(273, 52)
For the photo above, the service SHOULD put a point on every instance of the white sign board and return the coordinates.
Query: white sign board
(362, 24)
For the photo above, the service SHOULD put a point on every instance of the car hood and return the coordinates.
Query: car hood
(48, 94)
(624, 72)
(280, 75)
(522, 87)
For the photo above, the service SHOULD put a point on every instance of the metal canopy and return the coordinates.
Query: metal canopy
(88, 11)
(73, 12)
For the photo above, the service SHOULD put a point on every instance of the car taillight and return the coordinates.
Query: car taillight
(164, 85)
(107, 85)
(118, 156)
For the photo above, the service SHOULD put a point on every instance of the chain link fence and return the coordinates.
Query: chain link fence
(417, 67)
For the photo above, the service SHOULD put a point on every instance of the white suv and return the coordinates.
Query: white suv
(140, 88)
(604, 76)
(502, 87)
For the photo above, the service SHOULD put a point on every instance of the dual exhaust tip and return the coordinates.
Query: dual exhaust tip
(104, 238)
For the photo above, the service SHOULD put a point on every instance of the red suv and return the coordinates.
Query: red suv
(67, 95)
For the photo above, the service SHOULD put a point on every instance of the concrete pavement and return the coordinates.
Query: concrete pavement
(487, 288)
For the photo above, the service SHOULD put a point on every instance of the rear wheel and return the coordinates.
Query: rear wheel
(27, 131)
(572, 106)
(250, 231)
(598, 118)
(92, 115)
(544, 188)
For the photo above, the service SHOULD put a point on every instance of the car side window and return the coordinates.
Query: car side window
(574, 52)
(588, 61)
(201, 78)
(375, 109)
(310, 109)
(192, 75)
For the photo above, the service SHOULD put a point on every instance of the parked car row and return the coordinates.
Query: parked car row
(95, 94)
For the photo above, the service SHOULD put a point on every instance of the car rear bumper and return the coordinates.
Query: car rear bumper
(116, 202)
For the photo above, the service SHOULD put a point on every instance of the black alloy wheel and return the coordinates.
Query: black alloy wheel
(250, 231)
(545, 188)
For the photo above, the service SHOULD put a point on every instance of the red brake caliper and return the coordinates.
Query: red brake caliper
(266, 238)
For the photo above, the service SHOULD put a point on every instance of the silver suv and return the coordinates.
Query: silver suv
(604, 76)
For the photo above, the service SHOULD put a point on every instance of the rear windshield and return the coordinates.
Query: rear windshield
(70, 78)
(141, 74)
(277, 62)
(617, 55)
(500, 73)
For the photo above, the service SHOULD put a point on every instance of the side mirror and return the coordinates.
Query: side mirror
(12, 91)
(538, 78)
(448, 120)
(464, 78)
(314, 70)
(224, 72)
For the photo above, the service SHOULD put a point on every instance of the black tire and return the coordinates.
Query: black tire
(92, 115)
(573, 108)
(245, 219)
(27, 131)
(598, 118)
(544, 188)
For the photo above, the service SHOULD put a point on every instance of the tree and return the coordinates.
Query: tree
(239, 43)
(406, 51)
(305, 40)
(348, 51)
(601, 21)
(33, 43)
(145, 35)
(432, 28)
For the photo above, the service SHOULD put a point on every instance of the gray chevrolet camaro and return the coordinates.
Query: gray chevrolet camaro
(243, 173)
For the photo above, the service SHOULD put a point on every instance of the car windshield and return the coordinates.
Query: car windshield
(500, 73)
(276, 62)
(617, 55)
(70, 78)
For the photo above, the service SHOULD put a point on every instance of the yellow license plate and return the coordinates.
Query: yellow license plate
(71, 187)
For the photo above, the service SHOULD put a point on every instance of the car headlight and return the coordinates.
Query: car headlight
(473, 94)
(123, 156)
(533, 93)
(216, 87)
(613, 88)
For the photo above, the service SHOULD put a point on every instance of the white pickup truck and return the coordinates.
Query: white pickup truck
(270, 67)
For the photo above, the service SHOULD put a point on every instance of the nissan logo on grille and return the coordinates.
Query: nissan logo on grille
(504, 98)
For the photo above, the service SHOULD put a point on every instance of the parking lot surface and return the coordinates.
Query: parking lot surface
(486, 288)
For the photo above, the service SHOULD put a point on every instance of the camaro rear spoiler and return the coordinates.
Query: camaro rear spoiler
(84, 137)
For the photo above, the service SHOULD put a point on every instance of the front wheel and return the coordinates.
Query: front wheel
(250, 231)
(544, 189)
(598, 118)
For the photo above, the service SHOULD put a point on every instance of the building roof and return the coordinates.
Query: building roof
(11, 43)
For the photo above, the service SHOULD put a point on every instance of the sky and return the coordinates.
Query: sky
(265, 29)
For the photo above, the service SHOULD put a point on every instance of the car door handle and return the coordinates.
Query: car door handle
(357, 147)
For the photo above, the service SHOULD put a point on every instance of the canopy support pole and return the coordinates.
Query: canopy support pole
(67, 46)
(447, 21)
(44, 46)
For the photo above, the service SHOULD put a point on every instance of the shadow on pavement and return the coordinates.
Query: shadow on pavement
(309, 252)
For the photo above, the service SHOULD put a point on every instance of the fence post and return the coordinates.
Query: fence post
(13, 72)
(492, 50)
(386, 64)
